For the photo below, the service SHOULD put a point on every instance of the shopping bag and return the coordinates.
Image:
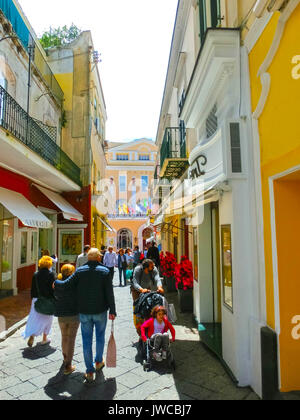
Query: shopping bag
(111, 356)
(172, 313)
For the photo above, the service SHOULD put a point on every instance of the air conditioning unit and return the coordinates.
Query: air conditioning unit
(260, 7)
(275, 5)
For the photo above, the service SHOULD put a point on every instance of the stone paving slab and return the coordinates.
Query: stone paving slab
(35, 374)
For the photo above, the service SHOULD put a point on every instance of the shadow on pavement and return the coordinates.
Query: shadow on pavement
(37, 352)
(73, 388)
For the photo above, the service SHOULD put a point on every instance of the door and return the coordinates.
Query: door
(286, 252)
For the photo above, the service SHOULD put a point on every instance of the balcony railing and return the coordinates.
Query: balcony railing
(127, 216)
(173, 153)
(18, 123)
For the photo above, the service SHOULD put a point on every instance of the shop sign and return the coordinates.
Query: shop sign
(197, 169)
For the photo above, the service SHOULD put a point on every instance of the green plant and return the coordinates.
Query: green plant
(58, 37)
(5, 266)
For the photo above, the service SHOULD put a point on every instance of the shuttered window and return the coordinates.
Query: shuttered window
(236, 153)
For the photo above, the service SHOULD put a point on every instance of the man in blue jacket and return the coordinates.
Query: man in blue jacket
(95, 297)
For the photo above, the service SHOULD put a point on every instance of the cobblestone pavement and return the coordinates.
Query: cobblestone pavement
(34, 374)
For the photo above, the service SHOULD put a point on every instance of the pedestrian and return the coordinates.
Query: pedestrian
(129, 258)
(68, 318)
(153, 254)
(136, 257)
(122, 265)
(39, 324)
(110, 261)
(95, 296)
(53, 269)
(157, 328)
(82, 259)
(146, 279)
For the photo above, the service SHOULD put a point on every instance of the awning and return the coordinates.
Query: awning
(25, 211)
(109, 228)
(68, 211)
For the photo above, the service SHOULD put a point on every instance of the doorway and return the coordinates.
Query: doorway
(124, 239)
(210, 280)
(47, 237)
(6, 251)
(286, 266)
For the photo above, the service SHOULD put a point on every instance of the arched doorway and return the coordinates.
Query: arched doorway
(124, 239)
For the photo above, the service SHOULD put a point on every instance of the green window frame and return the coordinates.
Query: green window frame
(215, 7)
(203, 19)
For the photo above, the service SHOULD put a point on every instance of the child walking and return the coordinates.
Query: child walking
(157, 330)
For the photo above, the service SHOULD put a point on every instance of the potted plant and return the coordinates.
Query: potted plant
(168, 265)
(185, 284)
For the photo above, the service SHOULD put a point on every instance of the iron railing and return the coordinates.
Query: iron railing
(18, 123)
(127, 216)
(174, 145)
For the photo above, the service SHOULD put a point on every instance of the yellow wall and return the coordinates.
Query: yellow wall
(279, 131)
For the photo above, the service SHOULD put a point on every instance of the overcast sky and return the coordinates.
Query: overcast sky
(134, 38)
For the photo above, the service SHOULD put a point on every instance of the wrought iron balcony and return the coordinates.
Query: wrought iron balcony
(173, 154)
(19, 124)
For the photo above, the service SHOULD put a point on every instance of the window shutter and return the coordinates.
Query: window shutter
(236, 153)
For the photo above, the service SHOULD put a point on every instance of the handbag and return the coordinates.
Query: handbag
(111, 356)
(44, 306)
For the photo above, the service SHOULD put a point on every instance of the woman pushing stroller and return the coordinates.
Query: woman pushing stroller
(156, 330)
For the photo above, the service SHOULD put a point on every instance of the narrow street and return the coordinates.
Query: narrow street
(34, 374)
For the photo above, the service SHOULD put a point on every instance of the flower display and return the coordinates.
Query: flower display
(184, 274)
(168, 264)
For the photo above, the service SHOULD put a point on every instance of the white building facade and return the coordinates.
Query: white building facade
(207, 97)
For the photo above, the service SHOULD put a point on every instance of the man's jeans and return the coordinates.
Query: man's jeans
(88, 323)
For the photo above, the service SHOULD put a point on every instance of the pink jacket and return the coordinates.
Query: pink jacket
(149, 325)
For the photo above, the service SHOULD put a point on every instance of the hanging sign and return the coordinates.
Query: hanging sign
(197, 170)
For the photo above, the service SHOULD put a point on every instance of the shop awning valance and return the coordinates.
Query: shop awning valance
(68, 211)
(25, 211)
(108, 227)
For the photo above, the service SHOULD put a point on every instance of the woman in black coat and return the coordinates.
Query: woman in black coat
(39, 324)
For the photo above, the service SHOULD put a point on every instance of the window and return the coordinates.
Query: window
(210, 15)
(227, 266)
(122, 183)
(6, 247)
(212, 122)
(203, 20)
(123, 157)
(144, 157)
(34, 247)
(145, 183)
(24, 236)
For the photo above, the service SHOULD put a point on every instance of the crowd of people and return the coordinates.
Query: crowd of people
(83, 295)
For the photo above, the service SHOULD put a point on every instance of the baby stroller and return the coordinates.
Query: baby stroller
(143, 308)
(149, 361)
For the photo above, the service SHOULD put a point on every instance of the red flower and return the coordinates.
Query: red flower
(168, 264)
(184, 274)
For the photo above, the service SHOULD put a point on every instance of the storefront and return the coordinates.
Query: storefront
(220, 206)
(30, 223)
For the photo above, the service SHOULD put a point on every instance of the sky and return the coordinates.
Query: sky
(134, 38)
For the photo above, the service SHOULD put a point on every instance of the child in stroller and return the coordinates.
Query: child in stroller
(156, 338)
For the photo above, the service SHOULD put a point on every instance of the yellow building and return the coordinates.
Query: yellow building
(129, 175)
(84, 119)
(273, 43)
